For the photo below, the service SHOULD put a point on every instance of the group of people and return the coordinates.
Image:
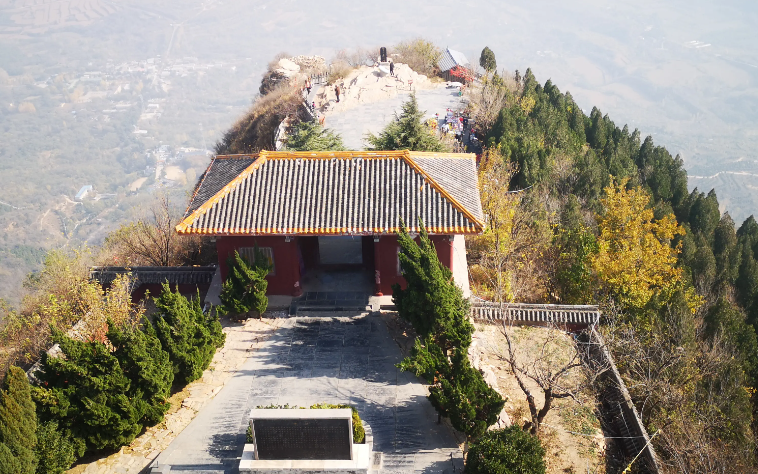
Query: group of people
(453, 122)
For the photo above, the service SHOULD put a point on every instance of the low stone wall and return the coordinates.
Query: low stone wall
(535, 314)
(618, 408)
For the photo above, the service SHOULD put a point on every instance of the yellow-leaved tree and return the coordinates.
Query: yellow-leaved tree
(635, 258)
(506, 261)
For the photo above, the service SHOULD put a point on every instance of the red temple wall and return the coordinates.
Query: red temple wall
(286, 259)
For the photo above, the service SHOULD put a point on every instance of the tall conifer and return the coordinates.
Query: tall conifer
(18, 425)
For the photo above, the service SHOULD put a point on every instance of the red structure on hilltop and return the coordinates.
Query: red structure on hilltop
(312, 212)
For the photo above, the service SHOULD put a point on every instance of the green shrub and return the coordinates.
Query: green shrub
(55, 450)
(147, 366)
(245, 288)
(89, 395)
(506, 451)
(18, 425)
(189, 336)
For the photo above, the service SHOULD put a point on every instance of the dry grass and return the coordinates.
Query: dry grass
(255, 131)
(571, 431)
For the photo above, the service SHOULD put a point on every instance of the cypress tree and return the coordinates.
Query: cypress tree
(89, 395)
(147, 366)
(18, 425)
(435, 306)
(431, 301)
(245, 288)
(487, 60)
(189, 336)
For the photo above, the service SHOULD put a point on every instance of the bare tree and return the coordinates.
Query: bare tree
(555, 369)
(152, 240)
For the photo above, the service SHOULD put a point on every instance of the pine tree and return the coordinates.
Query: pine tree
(406, 132)
(487, 60)
(245, 288)
(147, 366)
(189, 336)
(311, 136)
(89, 395)
(18, 425)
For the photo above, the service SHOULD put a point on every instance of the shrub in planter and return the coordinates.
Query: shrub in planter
(507, 451)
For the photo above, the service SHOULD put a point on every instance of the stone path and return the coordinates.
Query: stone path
(333, 360)
(355, 123)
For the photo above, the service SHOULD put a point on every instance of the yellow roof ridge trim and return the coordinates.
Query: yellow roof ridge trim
(440, 189)
(184, 227)
(185, 224)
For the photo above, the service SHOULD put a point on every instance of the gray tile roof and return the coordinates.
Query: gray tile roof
(219, 173)
(155, 275)
(317, 193)
(450, 59)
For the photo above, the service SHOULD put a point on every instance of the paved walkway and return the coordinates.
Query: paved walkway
(333, 360)
(355, 123)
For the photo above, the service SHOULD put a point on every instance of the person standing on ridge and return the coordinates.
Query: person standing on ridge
(392, 68)
(337, 91)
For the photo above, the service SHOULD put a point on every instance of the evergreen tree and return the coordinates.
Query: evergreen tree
(189, 336)
(487, 60)
(406, 132)
(147, 366)
(431, 301)
(89, 395)
(18, 425)
(311, 136)
(54, 449)
(506, 451)
(245, 288)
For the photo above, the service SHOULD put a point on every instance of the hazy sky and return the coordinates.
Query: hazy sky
(684, 71)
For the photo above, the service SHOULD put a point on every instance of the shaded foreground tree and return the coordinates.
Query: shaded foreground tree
(245, 287)
(406, 132)
(186, 333)
(18, 425)
(506, 451)
(311, 136)
(153, 241)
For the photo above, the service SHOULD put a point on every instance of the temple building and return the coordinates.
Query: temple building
(329, 220)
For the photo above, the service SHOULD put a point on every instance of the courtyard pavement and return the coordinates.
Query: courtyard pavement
(332, 360)
(353, 124)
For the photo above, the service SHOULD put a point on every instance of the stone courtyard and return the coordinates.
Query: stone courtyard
(310, 360)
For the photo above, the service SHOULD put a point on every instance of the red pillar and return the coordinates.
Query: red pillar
(294, 266)
(451, 242)
(377, 273)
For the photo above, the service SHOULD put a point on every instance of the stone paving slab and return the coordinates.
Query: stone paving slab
(354, 124)
(313, 360)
